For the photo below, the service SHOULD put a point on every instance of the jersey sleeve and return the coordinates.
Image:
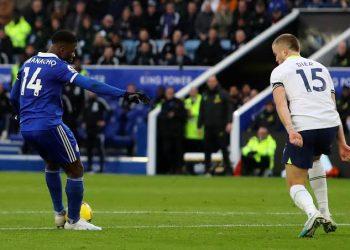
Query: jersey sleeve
(66, 73)
(97, 87)
(276, 79)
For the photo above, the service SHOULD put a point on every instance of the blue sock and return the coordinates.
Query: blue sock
(75, 192)
(53, 181)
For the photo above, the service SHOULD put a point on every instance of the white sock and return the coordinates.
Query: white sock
(318, 182)
(303, 199)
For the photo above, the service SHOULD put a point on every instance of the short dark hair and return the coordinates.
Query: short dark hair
(289, 40)
(63, 36)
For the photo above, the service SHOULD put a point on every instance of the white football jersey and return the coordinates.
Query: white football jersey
(308, 87)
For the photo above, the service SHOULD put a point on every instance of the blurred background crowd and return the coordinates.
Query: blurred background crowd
(155, 32)
(142, 32)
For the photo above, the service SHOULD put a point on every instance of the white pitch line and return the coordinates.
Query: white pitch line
(26, 228)
(169, 226)
(159, 226)
(169, 212)
(210, 226)
(198, 213)
(203, 226)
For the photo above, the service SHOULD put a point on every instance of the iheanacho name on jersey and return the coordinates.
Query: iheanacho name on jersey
(37, 60)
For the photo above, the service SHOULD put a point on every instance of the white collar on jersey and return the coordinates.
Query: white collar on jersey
(42, 54)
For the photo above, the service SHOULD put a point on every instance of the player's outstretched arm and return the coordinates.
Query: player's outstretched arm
(97, 87)
(105, 89)
(279, 96)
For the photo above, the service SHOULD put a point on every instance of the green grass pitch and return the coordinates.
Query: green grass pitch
(139, 212)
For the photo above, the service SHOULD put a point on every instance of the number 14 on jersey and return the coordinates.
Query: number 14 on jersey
(34, 82)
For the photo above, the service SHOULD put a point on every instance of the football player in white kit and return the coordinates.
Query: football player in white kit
(305, 101)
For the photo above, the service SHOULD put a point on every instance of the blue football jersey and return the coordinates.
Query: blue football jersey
(42, 78)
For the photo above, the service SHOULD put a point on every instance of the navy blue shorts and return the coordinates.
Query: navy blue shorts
(56, 145)
(315, 143)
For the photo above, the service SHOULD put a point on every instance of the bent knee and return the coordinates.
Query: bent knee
(52, 167)
(74, 170)
(294, 182)
(296, 176)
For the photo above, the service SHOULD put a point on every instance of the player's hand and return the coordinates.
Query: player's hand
(344, 152)
(295, 138)
(137, 97)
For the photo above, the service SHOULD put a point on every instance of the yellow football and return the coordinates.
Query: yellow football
(85, 212)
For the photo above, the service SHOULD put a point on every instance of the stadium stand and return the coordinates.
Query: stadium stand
(145, 32)
(127, 20)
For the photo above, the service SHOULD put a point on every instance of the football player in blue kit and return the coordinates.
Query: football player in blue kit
(36, 97)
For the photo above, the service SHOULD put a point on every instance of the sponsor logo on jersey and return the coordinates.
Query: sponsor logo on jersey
(71, 69)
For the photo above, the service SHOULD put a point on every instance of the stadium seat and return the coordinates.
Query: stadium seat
(130, 49)
(191, 47)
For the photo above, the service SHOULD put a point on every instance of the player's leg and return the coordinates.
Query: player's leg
(296, 179)
(54, 184)
(298, 160)
(318, 182)
(75, 193)
(74, 189)
(317, 176)
(45, 142)
(74, 186)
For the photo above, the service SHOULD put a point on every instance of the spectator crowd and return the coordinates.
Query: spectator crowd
(142, 32)
(159, 29)
(342, 55)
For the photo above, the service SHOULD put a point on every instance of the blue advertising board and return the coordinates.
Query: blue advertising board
(149, 78)
(341, 78)
(146, 78)
(5, 75)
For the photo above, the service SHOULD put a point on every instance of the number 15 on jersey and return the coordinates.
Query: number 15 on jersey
(34, 82)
